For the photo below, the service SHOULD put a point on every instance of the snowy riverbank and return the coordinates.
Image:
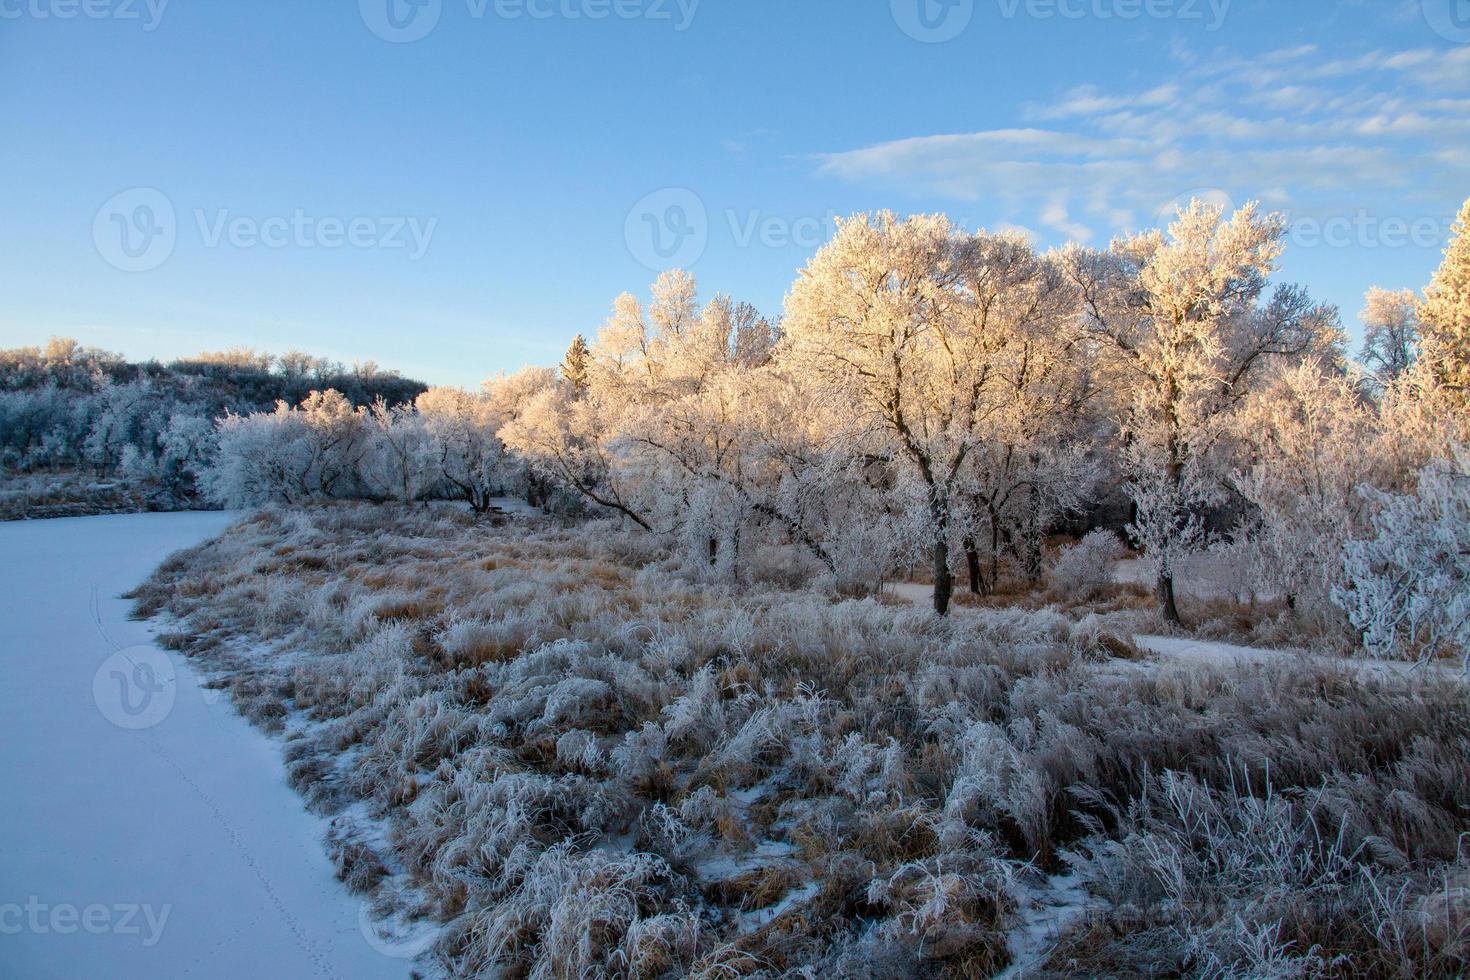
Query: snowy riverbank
(148, 830)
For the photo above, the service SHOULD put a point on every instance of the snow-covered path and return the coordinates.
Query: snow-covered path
(1219, 654)
(146, 830)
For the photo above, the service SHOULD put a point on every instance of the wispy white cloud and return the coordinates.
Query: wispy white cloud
(1295, 128)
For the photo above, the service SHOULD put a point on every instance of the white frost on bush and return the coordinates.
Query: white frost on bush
(1409, 585)
(1084, 568)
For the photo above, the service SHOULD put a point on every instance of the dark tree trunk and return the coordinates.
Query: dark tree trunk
(943, 579)
(994, 579)
(1167, 606)
(714, 551)
(972, 565)
(1033, 562)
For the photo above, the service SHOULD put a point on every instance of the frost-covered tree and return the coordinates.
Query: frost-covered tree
(643, 357)
(1306, 439)
(186, 446)
(570, 436)
(570, 440)
(120, 411)
(871, 317)
(1180, 317)
(683, 427)
(699, 434)
(744, 450)
(1390, 333)
(1445, 314)
(1032, 461)
(338, 437)
(399, 464)
(462, 432)
(754, 336)
(913, 326)
(262, 458)
(1417, 422)
(509, 395)
(291, 455)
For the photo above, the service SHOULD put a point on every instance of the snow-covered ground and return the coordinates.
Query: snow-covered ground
(1229, 655)
(919, 593)
(146, 829)
(1216, 654)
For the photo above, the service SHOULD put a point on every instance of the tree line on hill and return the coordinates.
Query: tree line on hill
(931, 396)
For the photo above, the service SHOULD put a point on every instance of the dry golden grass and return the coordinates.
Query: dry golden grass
(551, 733)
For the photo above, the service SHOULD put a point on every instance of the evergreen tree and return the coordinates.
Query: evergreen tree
(574, 367)
(1445, 313)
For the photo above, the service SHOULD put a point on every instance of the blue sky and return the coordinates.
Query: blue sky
(308, 174)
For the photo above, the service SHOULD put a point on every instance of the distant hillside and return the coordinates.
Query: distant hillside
(75, 418)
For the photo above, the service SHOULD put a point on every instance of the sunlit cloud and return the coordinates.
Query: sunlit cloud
(1294, 128)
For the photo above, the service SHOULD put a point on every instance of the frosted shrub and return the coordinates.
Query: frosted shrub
(642, 753)
(471, 642)
(781, 567)
(579, 749)
(1408, 589)
(1310, 435)
(668, 832)
(699, 712)
(584, 914)
(863, 551)
(995, 781)
(1085, 568)
(951, 909)
(1267, 885)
